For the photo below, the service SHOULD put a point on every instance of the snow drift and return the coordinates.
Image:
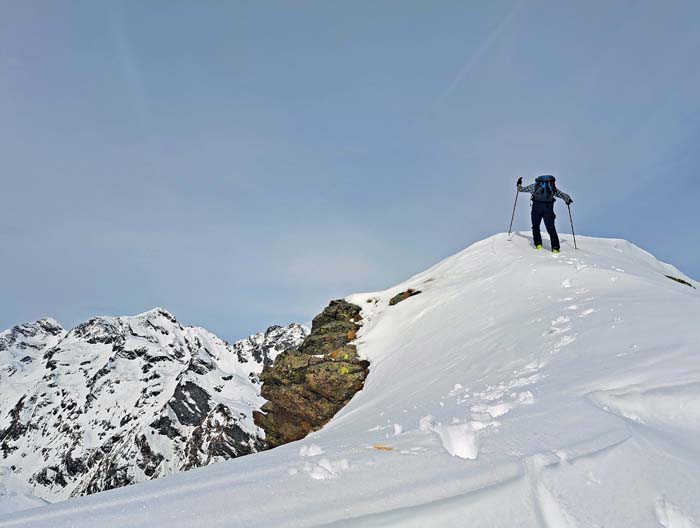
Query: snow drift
(518, 389)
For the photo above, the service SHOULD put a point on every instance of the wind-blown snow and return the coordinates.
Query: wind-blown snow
(518, 389)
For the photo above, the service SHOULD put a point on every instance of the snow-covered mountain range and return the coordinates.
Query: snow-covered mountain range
(120, 400)
(507, 388)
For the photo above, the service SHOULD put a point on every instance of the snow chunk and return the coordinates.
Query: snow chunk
(310, 450)
(459, 440)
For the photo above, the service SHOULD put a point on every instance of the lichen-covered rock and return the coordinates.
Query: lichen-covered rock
(337, 381)
(306, 387)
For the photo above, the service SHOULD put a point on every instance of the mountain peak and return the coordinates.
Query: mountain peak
(119, 400)
(29, 338)
(155, 313)
(501, 254)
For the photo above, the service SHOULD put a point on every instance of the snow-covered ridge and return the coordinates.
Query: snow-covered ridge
(119, 400)
(519, 389)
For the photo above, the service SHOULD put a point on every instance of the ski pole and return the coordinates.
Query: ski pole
(572, 226)
(510, 229)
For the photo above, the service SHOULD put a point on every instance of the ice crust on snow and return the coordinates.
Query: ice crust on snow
(597, 417)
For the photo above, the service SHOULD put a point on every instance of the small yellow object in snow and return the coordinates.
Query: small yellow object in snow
(381, 447)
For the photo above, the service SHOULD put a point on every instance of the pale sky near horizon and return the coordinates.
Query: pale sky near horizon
(242, 163)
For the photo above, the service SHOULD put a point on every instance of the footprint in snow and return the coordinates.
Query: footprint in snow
(550, 509)
(326, 469)
(633, 349)
(497, 410)
(670, 516)
(457, 390)
(558, 327)
(564, 341)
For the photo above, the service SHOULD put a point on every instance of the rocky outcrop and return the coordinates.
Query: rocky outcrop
(306, 387)
(681, 281)
(396, 299)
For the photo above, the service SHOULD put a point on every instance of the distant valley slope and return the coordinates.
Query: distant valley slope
(120, 400)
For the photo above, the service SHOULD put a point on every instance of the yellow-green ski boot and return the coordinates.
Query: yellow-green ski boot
(538, 247)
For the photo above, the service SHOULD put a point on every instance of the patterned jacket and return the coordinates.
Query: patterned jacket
(557, 192)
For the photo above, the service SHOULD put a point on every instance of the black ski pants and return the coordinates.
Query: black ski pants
(544, 211)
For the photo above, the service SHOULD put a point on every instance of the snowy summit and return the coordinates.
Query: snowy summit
(507, 388)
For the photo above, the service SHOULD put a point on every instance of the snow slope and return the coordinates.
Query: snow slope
(518, 389)
(16, 495)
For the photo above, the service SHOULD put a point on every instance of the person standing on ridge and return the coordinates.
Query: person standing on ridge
(544, 191)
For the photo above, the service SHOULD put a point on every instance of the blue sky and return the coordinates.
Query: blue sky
(242, 163)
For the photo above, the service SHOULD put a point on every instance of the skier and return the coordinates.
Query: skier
(543, 192)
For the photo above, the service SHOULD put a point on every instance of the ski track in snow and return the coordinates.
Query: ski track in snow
(549, 509)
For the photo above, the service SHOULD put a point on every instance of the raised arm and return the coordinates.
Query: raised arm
(529, 188)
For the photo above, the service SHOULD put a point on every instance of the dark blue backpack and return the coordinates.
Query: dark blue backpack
(544, 189)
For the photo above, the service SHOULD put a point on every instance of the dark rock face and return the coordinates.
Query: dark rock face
(189, 403)
(221, 436)
(305, 388)
(396, 299)
(681, 281)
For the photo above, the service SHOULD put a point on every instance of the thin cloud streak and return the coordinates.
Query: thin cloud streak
(478, 54)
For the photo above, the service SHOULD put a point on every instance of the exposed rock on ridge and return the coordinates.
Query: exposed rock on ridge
(306, 387)
(396, 299)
